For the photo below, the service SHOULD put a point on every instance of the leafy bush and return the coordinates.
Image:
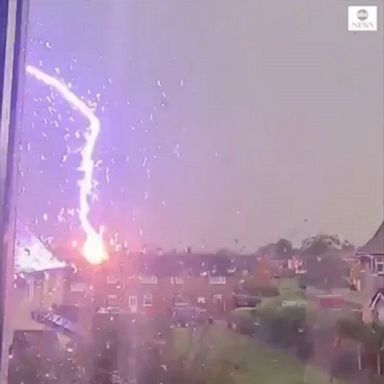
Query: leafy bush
(288, 273)
(282, 325)
(370, 336)
(256, 287)
(344, 364)
(351, 328)
(247, 327)
(244, 321)
(268, 291)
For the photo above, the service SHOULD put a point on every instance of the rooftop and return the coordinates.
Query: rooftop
(375, 246)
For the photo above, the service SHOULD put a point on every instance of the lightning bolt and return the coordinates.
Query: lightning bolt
(93, 249)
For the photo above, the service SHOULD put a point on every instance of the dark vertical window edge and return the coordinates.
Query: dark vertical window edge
(12, 68)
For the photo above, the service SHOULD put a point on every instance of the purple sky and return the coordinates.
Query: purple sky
(221, 120)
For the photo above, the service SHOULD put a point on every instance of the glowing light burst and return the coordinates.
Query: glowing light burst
(94, 249)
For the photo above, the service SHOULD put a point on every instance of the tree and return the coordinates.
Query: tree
(322, 258)
(319, 244)
(370, 337)
(260, 288)
(281, 250)
(260, 281)
(284, 249)
(326, 270)
(220, 262)
(266, 250)
(347, 246)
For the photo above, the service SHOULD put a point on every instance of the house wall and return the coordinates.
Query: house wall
(122, 285)
(42, 290)
(35, 291)
(196, 290)
(23, 303)
(370, 279)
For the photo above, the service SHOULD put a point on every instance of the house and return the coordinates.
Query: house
(371, 257)
(355, 276)
(369, 278)
(296, 265)
(32, 255)
(375, 311)
(38, 279)
(155, 284)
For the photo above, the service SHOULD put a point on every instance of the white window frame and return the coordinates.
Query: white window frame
(149, 279)
(148, 303)
(177, 280)
(179, 299)
(379, 264)
(217, 280)
(217, 298)
(201, 300)
(78, 287)
(132, 303)
(111, 279)
(115, 299)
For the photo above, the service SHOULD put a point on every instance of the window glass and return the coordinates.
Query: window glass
(217, 279)
(177, 280)
(149, 279)
(198, 193)
(147, 300)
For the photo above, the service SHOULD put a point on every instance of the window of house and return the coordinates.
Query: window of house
(176, 280)
(112, 300)
(38, 283)
(147, 300)
(232, 269)
(380, 265)
(380, 311)
(112, 279)
(217, 280)
(217, 298)
(179, 300)
(78, 287)
(100, 161)
(149, 279)
(132, 301)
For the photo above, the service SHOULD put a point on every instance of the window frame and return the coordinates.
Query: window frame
(81, 284)
(149, 279)
(150, 302)
(217, 280)
(177, 280)
(114, 297)
(132, 301)
(217, 298)
(13, 26)
(379, 265)
(112, 279)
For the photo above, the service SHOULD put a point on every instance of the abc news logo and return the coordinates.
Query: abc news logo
(362, 18)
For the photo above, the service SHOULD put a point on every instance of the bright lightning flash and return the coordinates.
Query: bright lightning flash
(94, 249)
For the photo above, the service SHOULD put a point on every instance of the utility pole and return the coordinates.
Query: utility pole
(13, 14)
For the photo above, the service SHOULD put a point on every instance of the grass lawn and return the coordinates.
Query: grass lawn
(231, 358)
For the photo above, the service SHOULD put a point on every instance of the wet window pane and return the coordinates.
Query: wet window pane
(198, 194)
